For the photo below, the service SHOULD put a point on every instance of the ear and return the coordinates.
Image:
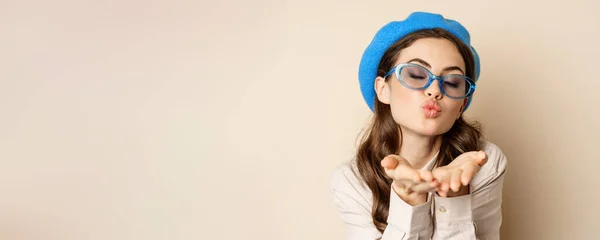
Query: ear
(382, 88)
(462, 108)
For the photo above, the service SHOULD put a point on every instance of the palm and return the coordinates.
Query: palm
(456, 176)
(410, 184)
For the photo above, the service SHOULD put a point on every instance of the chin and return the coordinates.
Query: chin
(429, 129)
(431, 132)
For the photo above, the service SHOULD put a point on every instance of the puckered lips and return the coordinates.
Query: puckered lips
(431, 109)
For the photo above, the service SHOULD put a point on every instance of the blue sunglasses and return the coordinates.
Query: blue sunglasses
(417, 77)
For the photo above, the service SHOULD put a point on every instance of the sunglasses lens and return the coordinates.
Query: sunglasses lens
(456, 86)
(413, 76)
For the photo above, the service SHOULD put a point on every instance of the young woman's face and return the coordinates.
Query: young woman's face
(426, 112)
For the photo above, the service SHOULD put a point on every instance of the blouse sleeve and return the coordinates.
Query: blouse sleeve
(404, 221)
(477, 215)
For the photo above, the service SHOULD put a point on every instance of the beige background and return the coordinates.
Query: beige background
(224, 119)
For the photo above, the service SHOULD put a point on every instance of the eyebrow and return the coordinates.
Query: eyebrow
(426, 64)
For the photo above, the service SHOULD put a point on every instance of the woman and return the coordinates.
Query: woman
(421, 171)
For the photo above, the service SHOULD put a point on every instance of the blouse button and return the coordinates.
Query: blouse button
(442, 209)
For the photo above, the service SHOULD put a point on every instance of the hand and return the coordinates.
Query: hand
(455, 177)
(409, 184)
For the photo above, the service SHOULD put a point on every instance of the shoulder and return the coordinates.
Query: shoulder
(494, 168)
(496, 159)
(346, 180)
(343, 175)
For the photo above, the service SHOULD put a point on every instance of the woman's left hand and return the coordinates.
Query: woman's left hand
(455, 177)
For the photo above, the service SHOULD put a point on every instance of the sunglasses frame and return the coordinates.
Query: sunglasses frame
(398, 68)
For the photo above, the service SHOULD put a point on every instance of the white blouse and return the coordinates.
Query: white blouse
(474, 216)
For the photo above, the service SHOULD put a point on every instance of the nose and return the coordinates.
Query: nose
(433, 91)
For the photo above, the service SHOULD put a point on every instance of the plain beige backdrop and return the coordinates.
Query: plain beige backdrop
(225, 119)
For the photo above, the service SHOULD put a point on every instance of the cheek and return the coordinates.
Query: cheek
(401, 96)
(404, 103)
(451, 113)
(453, 107)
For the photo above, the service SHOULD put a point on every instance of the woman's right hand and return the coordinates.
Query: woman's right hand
(410, 185)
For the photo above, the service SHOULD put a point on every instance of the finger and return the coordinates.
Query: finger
(434, 183)
(426, 175)
(390, 172)
(405, 171)
(442, 193)
(445, 186)
(399, 168)
(468, 172)
(442, 187)
(481, 158)
(441, 174)
(389, 162)
(455, 179)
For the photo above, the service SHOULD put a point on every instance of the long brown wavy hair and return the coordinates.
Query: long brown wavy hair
(382, 136)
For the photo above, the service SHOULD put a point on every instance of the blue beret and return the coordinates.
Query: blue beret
(394, 31)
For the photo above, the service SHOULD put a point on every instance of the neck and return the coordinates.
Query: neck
(418, 150)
